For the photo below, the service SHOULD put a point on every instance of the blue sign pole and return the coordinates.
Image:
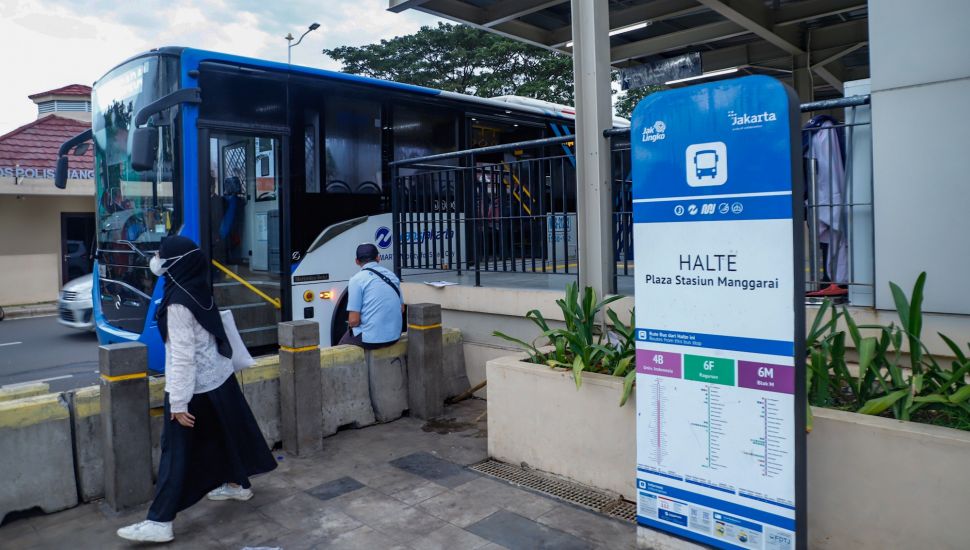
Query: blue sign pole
(718, 216)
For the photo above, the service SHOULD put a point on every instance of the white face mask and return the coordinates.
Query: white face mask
(156, 264)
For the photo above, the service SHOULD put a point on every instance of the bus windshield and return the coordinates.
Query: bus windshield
(134, 209)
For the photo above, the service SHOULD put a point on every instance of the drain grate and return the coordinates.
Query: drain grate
(569, 491)
(622, 509)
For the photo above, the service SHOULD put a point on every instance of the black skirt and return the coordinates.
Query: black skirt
(225, 446)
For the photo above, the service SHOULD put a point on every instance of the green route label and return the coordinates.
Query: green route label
(712, 370)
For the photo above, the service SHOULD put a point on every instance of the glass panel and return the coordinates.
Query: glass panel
(422, 132)
(310, 158)
(245, 223)
(134, 209)
(353, 146)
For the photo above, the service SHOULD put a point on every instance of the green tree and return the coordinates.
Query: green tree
(627, 101)
(463, 59)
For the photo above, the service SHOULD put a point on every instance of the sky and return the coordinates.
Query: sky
(47, 44)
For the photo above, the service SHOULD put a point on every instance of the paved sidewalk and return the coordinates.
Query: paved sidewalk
(30, 310)
(402, 485)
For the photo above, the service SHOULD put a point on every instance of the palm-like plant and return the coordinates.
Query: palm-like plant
(585, 344)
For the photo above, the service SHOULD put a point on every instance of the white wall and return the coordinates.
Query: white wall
(30, 246)
(921, 132)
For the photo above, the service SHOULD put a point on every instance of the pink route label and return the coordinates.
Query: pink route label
(659, 363)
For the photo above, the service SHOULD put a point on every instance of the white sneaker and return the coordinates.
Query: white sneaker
(148, 531)
(228, 492)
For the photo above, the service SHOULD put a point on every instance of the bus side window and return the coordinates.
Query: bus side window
(353, 147)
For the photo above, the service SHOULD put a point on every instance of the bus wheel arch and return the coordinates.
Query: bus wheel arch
(338, 325)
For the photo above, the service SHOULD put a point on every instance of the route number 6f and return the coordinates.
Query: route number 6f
(708, 365)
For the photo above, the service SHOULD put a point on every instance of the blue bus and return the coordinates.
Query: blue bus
(278, 171)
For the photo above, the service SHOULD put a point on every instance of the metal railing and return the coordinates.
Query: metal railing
(511, 209)
(505, 209)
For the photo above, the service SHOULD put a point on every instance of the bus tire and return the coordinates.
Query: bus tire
(339, 325)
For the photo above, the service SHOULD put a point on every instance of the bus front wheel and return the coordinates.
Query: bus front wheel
(339, 326)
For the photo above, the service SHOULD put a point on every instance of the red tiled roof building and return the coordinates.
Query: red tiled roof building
(46, 234)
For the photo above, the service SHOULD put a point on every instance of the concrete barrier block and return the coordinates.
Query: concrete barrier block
(156, 391)
(455, 380)
(26, 389)
(156, 423)
(346, 390)
(301, 425)
(36, 460)
(261, 386)
(88, 438)
(388, 379)
(299, 334)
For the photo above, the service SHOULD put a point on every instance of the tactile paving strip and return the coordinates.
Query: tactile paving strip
(569, 491)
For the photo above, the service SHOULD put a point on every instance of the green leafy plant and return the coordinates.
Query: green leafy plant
(585, 344)
(897, 374)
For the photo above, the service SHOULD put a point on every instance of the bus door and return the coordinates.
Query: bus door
(244, 193)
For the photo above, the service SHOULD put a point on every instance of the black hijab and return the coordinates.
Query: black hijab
(186, 285)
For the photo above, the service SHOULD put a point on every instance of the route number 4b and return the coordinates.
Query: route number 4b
(658, 359)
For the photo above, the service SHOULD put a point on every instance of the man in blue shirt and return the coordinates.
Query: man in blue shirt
(374, 304)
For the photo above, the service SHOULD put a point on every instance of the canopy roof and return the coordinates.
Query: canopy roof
(757, 36)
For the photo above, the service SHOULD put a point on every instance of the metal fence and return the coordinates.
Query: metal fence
(511, 209)
(506, 209)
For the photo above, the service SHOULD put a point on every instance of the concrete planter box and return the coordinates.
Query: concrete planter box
(537, 416)
(873, 482)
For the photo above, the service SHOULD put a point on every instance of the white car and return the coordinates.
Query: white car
(76, 303)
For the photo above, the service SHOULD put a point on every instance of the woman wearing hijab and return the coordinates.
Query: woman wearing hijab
(211, 443)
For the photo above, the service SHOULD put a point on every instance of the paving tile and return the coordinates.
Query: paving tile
(600, 530)
(514, 499)
(419, 493)
(243, 528)
(272, 489)
(458, 509)
(460, 454)
(449, 537)
(493, 546)
(362, 538)
(518, 533)
(397, 481)
(435, 469)
(388, 515)
(17, 529)
(335, 488)
(310, 515)
(295, 540)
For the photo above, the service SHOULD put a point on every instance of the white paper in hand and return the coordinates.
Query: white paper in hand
(241, 358)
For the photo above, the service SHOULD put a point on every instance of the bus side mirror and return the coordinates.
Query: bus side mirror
(144, 149)
(60, 175)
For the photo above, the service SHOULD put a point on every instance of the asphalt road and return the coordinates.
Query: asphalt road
(40, 348)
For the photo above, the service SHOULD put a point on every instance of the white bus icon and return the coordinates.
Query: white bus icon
(706, 164)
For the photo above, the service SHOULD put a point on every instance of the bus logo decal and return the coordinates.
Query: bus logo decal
(383, 237)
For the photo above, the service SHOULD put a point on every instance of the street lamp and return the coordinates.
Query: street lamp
(290, 44)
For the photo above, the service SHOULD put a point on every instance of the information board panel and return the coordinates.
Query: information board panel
(719, 313)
